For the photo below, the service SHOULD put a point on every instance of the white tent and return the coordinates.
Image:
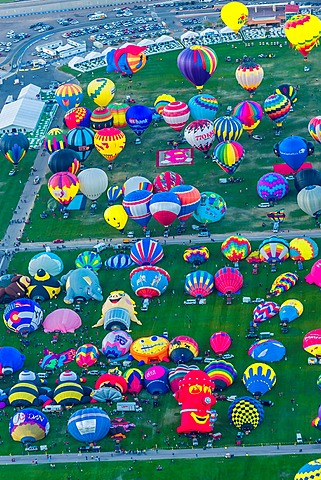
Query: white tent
(75, 60)
(92, 55)
(189, 34)
(145, 42)
(29, 91)
(23, 114)
(226, 30)
(208, 31)
(164, 39)
(108, 49)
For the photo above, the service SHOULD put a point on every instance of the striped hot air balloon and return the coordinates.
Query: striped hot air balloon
(176, 115)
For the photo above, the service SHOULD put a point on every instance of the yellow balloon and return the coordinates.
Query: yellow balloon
(116, 216)
(109, 142)
(234, 15)
(101, 91)
(293, 303)
(303, 32)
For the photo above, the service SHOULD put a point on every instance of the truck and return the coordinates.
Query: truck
(99, 247)
(52, 408)
(128, 407)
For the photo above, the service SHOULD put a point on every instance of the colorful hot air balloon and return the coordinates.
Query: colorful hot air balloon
(197, 64)
(23, 316)
(190, 198)
(314, 128)
(116, 344)
(113, 193)
(118, 112)
(120, 261)
(246, 413)
(89, 425)
(161, 102)
(69, 95)
(14, 146)
(156, 380)
(146, 252)
(138, 118)
(165, 181)
(109, 142)
(236, 248)
(176, 374)
(165, 207)
(203, 106)
(28, 425)
(228, 280)
(303, 32)
(228, 156)
(294, 150)
(312, 342)
(127, 60)
(234, 15)
(250, 115)
(87, 355)
(196, 255)
(101, 91)
(136, 205)
(265, 311)
(310, 470)
(62, 320)
(100, 118)
(227, 129)
(65, 160)
(176, 115)
(314, 275)
(277, 107)
(199, 284)
(89, 259)
(212, 208)
(48, 261)
(137, 183)
(55, 140)
(259, 378)
(77, 117)
(290, 310)
(249, 75)
(81, 141)
(289, 91)
(268, 350)
(183, 349)
(200, 134)
(116, 216)
(135, 380)
(149, 281)
(93, 182)
(272, 187)
(63, 186)
(309, 200)
(274, 250)
(222, 373)
(303, 248)
(220, 342)
(282, 283)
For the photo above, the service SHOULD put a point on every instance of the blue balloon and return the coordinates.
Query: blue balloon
(146, 252)
(288, 313)
(203, 106)
(11, 360)
(120, 261)
(114, 193)
(293, 151)
(138, 118)
(259, 378)
(89, 424)
(268, 350)
(136, 205)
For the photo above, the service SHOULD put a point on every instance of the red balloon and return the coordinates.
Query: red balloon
(220, 342)
(176, 115)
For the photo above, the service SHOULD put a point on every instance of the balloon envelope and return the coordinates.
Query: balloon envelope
(81, 141)
(312, 342)
(109, 142)
(89, 424)
(101, 91)
(220, 342)
(77, 117)
(14, 146)
(176, 115)
(197, 64)
(249, 75)
(259, 378)
(272, 187)
(63, 186)
(23, 316)
(200, 134)
(55, 140)
(65, 160)
(87, 355)
(306, 177)
(211, 209)
(234, 15)
(309, 200)
(228, 280)
(28, 426)
(138, 118)
(149, 281)
(303, 32)
(93, 182)
(199, 284)
(62, 320)
(165, 207)
(89, 259)
(69, 95)
(227, 129)
(146, 252)
(203, 106)
(293, 150)
(267, 350)
(48, 261)
(116, 216)
(246, 413)
(309, 471)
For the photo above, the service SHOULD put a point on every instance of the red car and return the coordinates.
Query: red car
(59, 240)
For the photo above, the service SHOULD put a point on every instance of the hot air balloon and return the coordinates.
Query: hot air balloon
(228, 280)
(118, 262)
(89, 259)
(303, 248)
(268, 350)
(113, 194)
(135, 380)
(43, 286)
(138, 118)
(196, 255)
(87, 355)
(48, 261)
(101, 91)
(259, 378)
(62, 320)
(183, 349)
(165, 181)
(109, 142)
(161, 102)
(282, 283)
(149, 281)
(310, 470)
(146, 252)
(314, 275)
(176, 374)
(228, 156)
(11, 360)
(212, 208)
(165, 207)
(77, 117)
(294, 150)
(314, 128)
(250, 115)
(220, 342)
(236, 248)
(23, 316)
(274, 250)
(234, 15)
(14, 146)
(190, 198)
(272, 187)
(116, 344)
(200, 134)
(100, 118)
(222, 373)
(309, 200)
(65, 160)
(116, 216)
(93, 182)
(89, 424)
(63, 186)
(118, 112)
(55, 140)
(227, 128)
(127, 60)
(289, 91)
(277, 107)
(290, 310)
(81, 140)
(28, 425)
(265, 311)
(150, 349)
(69, 95)
(203, 106)
(303, 32)
(199, 284)
(249, 75)
(246, 413)
(197, 64)
(137, 183)
(176, 115)
(136, 205)
(312, 342)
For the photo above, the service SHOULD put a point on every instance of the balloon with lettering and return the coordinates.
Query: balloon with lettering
(303, 32)
(200, 134)
(138, 118)
(234, 15)
(81, 141)
(28, 425)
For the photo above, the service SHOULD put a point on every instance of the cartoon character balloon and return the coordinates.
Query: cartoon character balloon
(101, 91)
(197, 64)
(69, 95)
(116, 216)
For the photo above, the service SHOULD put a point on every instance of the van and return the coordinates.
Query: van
(99, 247)
(52, 408)
(33, 448)
(42, 375)
(299, 438)
(191, 301)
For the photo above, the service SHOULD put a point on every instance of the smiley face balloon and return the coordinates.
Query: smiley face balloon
(116, 216)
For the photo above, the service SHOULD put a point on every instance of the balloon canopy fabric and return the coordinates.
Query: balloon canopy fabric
(306, 177)
(315, 274)
(265, 311)
(203, 106)
(116, 216)
(220, 342)
(156, 380)
(165, 207)
(189, 198)
(165, 181)
(222, 373)
(312, 342)
(65, 160)
(126, 60)
(250, 115)
(109, 142)
(309, 200)
(87, 355)
(113, 193)
(149, 281)
(55, 140)
(63, 186)
(274, 249)
(151, 349)
(249, 75)
(228, 280)
(137, 182)
(101, 91)
(227, 129)
(303, 32)
(118, 112)
(89, 424)
(283, 283)
(290, 310)
(138, 118)
(277, 107)
(259, 378)
(116, 344)
(197, 64)
(100, 118)
(228, 156)
(81, 141)
(93, 182)
(48, 261)
(120, 261)
(199, 284)
(294, 150)
(303, 248)
(89, 259)
(234, 15)
(28, 425)
(23, 316)
(137, 206)
(212, 208)
(272, 187)
(314, 128)
(196, 255)
(289, 91)
(183, 349)
(14, 146)
(309, 471)
(200, 134)
(236, 248)
(161, 101)
(246, 413)
(69, 95)
(77, 117)
(176, 115)
(146, 252)
(62, 320)
(268, 350)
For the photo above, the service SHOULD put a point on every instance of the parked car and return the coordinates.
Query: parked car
(267, 403)
(58, 240)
